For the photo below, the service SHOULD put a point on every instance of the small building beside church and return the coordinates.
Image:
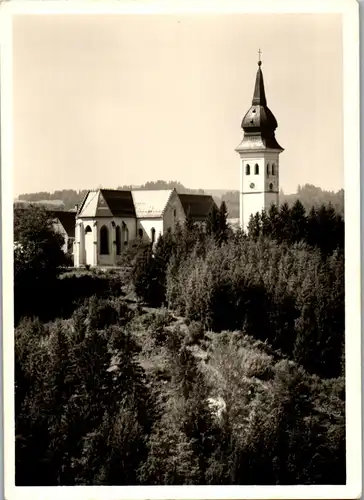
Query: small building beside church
(63, 223)
(108, 221)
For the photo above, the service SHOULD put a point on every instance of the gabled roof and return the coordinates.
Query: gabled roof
(107, 203)
(151, 203)
(197, 205)
(67, 219)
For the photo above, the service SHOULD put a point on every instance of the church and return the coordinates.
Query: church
(107, 221)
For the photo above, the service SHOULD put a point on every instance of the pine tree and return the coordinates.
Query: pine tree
(298, 222)
(189, 224)
(213, 223)
(273, 216)
(265, 223)
(254, 228)
(223, 227)
(284, 223)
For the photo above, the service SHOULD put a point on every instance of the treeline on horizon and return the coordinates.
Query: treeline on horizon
(309, 195)
(216, 357)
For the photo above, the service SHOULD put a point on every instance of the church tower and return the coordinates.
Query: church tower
(259, 156)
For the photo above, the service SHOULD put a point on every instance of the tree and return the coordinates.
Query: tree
(212, 226)
(38, 257)
(254, 227)
(37, 246)
(298, 222)
(273, 216)
(223, 227)
(189, 224)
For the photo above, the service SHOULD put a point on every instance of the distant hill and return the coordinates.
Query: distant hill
(308, 194)
(50, 204)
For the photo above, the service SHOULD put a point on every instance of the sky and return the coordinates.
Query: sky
(109, 100)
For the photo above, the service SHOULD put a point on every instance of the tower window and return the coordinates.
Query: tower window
(247, 169)
(267, 168)
(256, 169)
(104, 241)
(152, 234)
(271, 186)
(273, 169)
(88, 230)
(140, 232)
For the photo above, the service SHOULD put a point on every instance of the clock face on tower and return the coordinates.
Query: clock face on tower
(252, 185)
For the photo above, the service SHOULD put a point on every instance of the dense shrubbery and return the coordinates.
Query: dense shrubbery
(322, 227)
(101, 400)
(43, 287)
(238, 379)
(271, 283)
(286, 295)
(82, 405)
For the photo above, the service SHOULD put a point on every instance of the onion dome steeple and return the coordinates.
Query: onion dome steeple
(259, 123)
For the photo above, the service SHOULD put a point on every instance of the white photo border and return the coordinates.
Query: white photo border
(350, 17)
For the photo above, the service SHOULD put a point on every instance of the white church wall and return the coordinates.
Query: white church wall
(173, 212)
(146, 225)
(252, 204)
(88, 249)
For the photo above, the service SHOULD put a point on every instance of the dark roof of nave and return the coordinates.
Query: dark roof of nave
(197, 205)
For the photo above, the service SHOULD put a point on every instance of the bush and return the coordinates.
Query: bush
(196, 333)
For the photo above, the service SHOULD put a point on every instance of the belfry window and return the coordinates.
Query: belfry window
(256, 169)
(247, 169)
(88, 230)
(118, 240)
(140, 232)
(152, 234)
(271, 186)
(104, 241)
(267, 168)
(273, 169)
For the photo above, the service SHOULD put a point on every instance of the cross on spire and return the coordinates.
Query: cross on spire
(259, 61)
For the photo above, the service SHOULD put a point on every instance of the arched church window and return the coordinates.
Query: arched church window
(273, 169)
(271, 186)
(247, 169)
(118, 240)
(152, 234)
(88, 230)
(104, 241)
(140, 232)
(267, 168)
(256, 169)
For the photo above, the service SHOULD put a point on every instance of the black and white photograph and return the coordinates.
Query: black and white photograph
(181, 194)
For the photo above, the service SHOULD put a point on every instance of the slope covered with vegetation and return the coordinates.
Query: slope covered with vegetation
(215, 358)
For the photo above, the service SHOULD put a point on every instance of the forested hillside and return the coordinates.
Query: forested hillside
(308, 194)
(216, 357)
